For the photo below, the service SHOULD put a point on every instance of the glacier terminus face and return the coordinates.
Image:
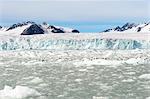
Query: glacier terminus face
(38, 43)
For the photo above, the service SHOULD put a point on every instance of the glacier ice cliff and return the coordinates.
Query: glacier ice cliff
(27, 43)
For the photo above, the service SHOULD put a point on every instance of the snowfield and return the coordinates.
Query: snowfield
(75, 66)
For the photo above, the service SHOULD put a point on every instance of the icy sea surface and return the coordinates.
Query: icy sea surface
(75, 74)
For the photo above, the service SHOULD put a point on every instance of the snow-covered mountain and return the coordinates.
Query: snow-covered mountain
(17, 37)
(131, 28)
(30, 28)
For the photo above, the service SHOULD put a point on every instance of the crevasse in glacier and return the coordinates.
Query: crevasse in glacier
(26, 43)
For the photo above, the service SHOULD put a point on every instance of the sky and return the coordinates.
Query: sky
(84, 15)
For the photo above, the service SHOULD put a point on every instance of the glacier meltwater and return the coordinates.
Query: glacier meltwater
(37, 43)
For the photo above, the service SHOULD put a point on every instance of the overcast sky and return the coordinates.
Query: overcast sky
(75, 11)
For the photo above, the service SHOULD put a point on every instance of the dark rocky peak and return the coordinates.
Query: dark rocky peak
(75, 31)
(44, 23)
(33, 29)
(55, 30)
(147, 23)
(123, 28)
(60, 29)
(118, 28)
(139, 29)
(1, 27)
(29, 22)
(128, 26)
(108, 30)
(20, 25)
(52, 27)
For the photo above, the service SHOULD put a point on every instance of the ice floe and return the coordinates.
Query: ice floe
(36, 80)
(19, 92)
(145, 76)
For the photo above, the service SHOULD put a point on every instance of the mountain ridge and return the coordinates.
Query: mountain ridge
(131, 27)
(31, 28)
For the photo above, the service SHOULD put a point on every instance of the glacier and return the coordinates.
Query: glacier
(34, 43)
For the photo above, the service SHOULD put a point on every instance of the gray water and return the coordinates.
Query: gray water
(63, 80)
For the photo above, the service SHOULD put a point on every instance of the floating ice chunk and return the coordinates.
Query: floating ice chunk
(90, 67)
(60, 96)
(135, 61)
(82, 70)
(145, 76)
(130, 73)
(19, 92)
(148, 98)
(43, 85)
(98, 62)
(98, 97)
(78, 80)
(28, 78)
(128, 80)
(131, 61)
(36, 80)
(34, 62)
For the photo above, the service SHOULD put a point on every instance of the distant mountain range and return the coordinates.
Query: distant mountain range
(131, 27)
(30, 28)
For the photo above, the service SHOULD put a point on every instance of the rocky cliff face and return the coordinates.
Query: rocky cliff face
(33, 29)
